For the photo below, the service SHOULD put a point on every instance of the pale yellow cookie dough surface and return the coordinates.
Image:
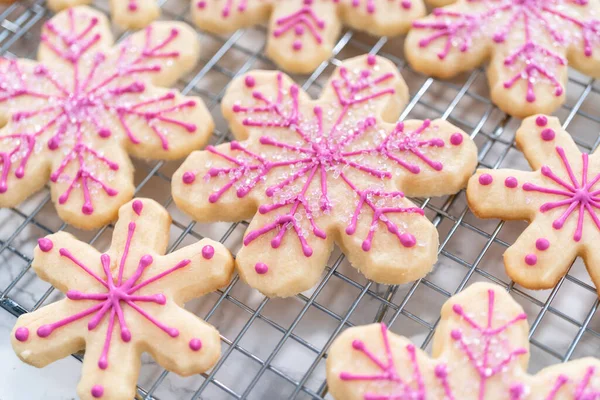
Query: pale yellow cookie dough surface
(337, 166)
(528, 47)
(73, 117)
(127, 14)
(480, 351)
(145, 284)
(559, 199)
(302, 33)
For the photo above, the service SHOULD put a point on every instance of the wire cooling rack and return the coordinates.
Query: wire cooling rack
(276, 349)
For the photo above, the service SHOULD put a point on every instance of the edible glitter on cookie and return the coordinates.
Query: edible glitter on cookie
(531, 36)
(325, 148)
(483, 345)
(60, 110)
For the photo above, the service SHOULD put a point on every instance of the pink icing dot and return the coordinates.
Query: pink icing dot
(456, 334)
(133, 6)
(456, 139)
(97, 391)
(188, 178)
(250, 81)
(22, 334)
(195, 344)
(371, 60)
(531, 259)
(541, 120)
(485, 179)
(511, 182)
(261, 268)
(548, 134)
(208, 252)
(440, 371)
(406, 4)
(542, 244)
(137, 207)
(201, 4)
(45, 244)
(408, 240)
(297, 45)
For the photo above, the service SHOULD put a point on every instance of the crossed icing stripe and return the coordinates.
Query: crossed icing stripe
(73, 115)
(325, 169)
(480, 352)
(123, 302)
(528, 42)
(302, 32)
(561, 199)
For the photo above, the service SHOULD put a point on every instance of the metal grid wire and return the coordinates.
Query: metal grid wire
(276, 349)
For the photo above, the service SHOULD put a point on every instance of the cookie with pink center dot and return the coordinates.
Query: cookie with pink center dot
(302, 33)
(560, 199)
(127, 14)
(480, 351)
(124, 302)
(311, 173)
(528, 43)
(75, 115)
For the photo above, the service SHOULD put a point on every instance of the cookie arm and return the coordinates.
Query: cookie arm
(567, 381)
(277, 260)
(161, 53)
(393, 248)
(320, 26)
(448, 41)
(134, 14)
(196, 348)
(499, 194)
(540, 256)
(163, 125)
(192, 271)
(383, 17)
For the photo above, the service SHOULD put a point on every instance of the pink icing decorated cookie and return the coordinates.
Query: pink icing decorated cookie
(480, 351)
(127, 14)
(313, 172)
(561, 199)
(74, 115)
(124, 302)
(529, 44)
(302, 33)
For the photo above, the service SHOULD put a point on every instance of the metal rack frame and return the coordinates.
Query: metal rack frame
(462, 101)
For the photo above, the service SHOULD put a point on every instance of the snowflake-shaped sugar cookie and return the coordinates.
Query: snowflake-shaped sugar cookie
(73, 116)
(124, 302)
(528, 43)
(561, 199)
(127, 14)
(319, 171)
(480, 351)
(302, 33)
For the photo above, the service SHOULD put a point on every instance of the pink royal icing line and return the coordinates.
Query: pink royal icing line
(299, 21)
(579, 196)
(119, 293)
(320, 152)
(79, 105)
(533, 60)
